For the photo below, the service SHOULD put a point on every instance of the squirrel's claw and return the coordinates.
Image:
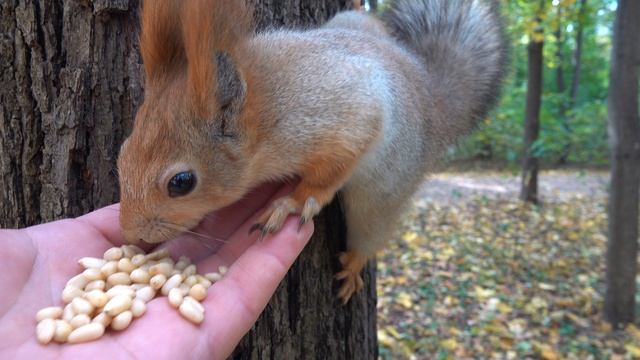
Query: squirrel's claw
(273, 219)
(352, 264)
(310, 209)
(255, 227)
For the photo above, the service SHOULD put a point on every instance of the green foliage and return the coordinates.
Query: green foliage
(580, 135)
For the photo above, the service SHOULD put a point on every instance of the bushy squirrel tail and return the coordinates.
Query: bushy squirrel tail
(462, 45)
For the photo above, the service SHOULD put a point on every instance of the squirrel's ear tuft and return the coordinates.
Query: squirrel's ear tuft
(161, 42)
(214, 27)
(231, 88)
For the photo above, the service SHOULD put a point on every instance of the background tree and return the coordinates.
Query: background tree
(373, 5)
(576, 60)
(624, 194)
(71, 81)
(529, 190)
(584, 50)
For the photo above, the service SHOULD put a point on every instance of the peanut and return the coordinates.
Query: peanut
(138, 307)
(86, 333)
(63, 329)
(161, 268)
(198, 292)
(45, 330)
(81, 306)
(105, 291)
(118, 304)
(51, 312)
(175, 297)
(79, 320)
(190, 280)
(125, 265)
(138, 260)
(213, 276)
(146, 294)
(204, 281)
(78, 281)
(97, 298)
(181, 264)
(120, 289)
(222, 269)
(69, 293)
(67, 313)
(119, 278)
(95, 285)
(157, 281)
(184, 289)
(92, 274)
(121, 321)
(158, 254)
(140, 276)
(113, 254)
(191, 312)
(91, 262)
(109, 268)
(103, 319)
(189, 270)
(172, 282)
(195, 302)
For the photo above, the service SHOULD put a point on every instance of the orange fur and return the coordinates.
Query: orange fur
(211, 26)
(323, 174)
(161, 42)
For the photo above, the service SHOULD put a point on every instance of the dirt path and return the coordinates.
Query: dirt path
(553, 185)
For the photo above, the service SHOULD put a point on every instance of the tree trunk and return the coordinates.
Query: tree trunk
(373, 6)
(624, 135)
(71, 81)
(560, 86)
(560, 89)
(577, 55)
(529, 189)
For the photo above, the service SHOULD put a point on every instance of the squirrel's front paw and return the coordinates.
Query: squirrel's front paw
(273, 219)
(352, 264)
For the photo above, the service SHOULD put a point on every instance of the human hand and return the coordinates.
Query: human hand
(36, 262)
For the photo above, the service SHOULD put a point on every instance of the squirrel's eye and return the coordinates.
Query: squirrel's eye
(181, 184)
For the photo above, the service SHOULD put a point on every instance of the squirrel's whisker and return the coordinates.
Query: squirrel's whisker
(187, 230)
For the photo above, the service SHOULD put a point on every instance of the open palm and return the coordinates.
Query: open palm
(36, 262)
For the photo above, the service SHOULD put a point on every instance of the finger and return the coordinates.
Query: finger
(224, 222)
(106, 221)
(235, 302)
(222, 241)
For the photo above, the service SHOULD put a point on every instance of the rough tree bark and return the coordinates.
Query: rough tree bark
(71, 81)
(70, 87)
(529, 188)
(624, 194)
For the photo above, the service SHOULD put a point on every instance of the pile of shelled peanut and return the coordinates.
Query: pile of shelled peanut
(114, 290)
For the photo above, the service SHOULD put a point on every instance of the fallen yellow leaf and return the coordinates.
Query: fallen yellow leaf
(449, 344)
(549, 354)
(633, 350)
(404, 299)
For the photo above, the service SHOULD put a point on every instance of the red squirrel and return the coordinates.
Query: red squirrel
(362, 105)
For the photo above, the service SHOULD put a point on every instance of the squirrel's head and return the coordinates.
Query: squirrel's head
(190, 149)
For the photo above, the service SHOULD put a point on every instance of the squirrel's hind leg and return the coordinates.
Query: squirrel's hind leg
(371, 216)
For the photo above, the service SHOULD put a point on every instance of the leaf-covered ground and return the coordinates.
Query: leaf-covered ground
(480, 275)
